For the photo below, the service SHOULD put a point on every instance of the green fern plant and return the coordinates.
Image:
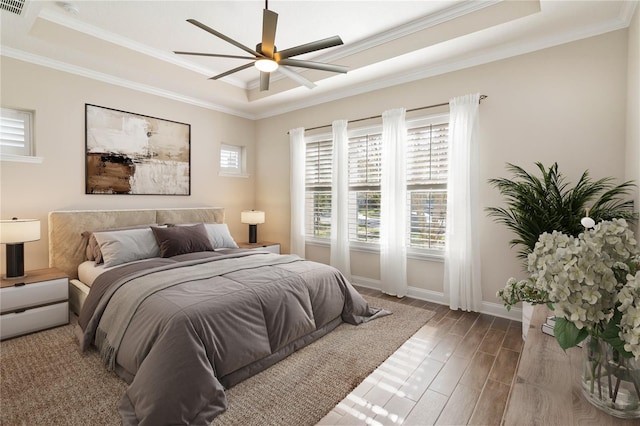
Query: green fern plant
(535, 205)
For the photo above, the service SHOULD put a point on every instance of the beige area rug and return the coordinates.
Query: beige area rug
(45, 380)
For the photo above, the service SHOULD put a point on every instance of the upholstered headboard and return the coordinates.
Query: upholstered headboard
(67, 245)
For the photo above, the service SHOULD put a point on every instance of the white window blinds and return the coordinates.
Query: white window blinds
(426, 169)
(232, 160)
(318, 188)
(427, 162)
(365, 167)
(16, 132)
(427, 159)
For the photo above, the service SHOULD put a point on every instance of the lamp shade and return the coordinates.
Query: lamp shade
(19, 231)
(252, 217)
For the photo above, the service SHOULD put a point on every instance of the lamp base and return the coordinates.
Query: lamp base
(253, 234)
(15, 261)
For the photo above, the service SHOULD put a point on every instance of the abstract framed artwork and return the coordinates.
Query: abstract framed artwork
(135, 154)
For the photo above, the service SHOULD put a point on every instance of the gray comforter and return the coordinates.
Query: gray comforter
(181, 330)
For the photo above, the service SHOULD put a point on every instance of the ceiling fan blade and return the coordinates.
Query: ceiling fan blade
(296, 77)
(264, 81)
(314, 65)
(240, 68)
(224, 37)
(269, 24)
(215, 55)
(309, 47)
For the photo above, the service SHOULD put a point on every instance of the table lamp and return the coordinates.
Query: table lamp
(253, 218)
(14, 233)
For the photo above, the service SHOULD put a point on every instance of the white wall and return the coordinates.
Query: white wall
(58, 98)
(633, 107)
(564, 104)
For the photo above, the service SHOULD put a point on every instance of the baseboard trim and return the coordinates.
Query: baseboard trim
(489, 308)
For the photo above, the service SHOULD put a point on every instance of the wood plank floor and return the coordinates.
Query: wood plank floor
(456, 370)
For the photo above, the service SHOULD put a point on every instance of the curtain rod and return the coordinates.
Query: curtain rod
(379, 116)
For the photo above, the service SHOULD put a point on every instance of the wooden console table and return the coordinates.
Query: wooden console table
(547, 385)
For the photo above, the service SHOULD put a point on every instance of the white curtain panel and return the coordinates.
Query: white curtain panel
(462, 282)
(297, 189)
(393, 224)
(340, 257)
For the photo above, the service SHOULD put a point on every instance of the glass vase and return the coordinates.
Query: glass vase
(610, 381)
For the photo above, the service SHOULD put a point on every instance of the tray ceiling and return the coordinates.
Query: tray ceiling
(131, 43)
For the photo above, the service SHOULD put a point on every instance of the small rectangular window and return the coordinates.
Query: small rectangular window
(16, 134)
(232, 160)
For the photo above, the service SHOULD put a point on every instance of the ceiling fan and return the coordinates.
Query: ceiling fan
(267, 58)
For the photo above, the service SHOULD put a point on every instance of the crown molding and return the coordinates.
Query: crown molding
(106, 78)
(76, 25)
(455, 11)
(627, 10)
(450, 13)
(489, 55)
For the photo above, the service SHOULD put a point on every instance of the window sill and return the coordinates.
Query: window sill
(235, 175)
(21, 158)
(412, 253)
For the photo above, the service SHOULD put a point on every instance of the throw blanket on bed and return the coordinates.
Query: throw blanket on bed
(182, 331)
(125, 302)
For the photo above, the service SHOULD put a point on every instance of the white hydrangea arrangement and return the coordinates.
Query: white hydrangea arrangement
(592, 284)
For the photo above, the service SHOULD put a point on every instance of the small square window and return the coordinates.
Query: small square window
(232, 160)
(16, 134)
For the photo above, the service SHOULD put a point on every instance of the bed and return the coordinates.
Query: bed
(181, 314)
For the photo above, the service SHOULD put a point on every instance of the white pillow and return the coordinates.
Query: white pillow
(220, 236)
(119, 247)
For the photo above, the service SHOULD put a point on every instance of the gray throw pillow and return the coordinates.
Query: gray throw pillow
(177, 240)
(219, 234)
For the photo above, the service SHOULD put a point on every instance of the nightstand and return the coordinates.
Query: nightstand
(262, 245)
(36, 302)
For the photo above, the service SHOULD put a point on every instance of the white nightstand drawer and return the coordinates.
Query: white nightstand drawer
(262, 245)
(273, 248)
(34, 319)
(34, 294)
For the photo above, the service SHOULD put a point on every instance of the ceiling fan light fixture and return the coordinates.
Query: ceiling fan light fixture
(266, 57)
(266, 65)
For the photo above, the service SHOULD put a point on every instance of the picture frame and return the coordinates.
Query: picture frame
(135, 154)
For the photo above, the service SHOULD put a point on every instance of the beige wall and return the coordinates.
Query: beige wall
(633, 106)
(58, 98)
(564, 104)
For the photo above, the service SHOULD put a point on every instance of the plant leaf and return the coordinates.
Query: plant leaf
(611, 334)
(567, 334)
(534, 205)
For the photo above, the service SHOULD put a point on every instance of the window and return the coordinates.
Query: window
(318, 188)
(16, 135)
(232, 160)
(365, 168)
(426, 168)
(427, 165)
